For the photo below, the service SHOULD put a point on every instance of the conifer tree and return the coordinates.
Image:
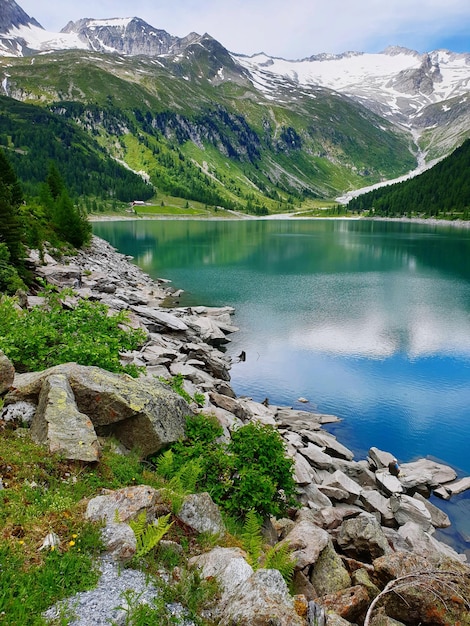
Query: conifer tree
(11, 197)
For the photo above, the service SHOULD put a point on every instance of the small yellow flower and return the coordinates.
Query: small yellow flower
(74, 536)
(52, 548)
(71, 543)
(21, 542)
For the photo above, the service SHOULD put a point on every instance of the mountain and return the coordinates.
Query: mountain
(427, 94)
(441, 191)
(253, 131)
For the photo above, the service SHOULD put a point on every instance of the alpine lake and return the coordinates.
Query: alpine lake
(367, 320)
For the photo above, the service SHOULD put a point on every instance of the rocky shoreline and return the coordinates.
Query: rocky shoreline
(358, 528)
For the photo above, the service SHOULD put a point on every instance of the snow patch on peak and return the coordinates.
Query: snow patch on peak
(36, 38)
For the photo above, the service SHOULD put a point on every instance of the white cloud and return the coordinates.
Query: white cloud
(293, 29)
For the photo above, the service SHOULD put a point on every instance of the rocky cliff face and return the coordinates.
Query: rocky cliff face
(130, 36)
(13, 16)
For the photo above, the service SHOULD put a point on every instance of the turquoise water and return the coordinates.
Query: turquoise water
(368, 320)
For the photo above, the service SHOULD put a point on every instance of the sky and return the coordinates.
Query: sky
(293, 29)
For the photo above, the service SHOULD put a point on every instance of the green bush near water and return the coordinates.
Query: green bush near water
(250, 472)
(50, 335)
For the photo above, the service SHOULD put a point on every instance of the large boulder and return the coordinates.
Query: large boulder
(141, 413)
(408, 509)
(260, 600)
(7, 373)
(350, 604)
(422, 542)
(123, 505)
(329, 575)
(432, 597)
(375, 502)
(339, 480)
(228, 565)
(362, 538)
(58, 423)
(425, 473)
(306, 542)
(329, 444)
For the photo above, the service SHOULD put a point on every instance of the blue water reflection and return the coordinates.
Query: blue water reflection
(368, 320)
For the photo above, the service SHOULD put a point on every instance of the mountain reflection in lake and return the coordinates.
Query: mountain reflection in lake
(369, 320)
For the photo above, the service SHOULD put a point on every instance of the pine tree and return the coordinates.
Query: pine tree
(11, 197)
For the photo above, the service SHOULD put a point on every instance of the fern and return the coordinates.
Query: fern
(189, 474)
(280, 558)
(252, 539)
(165, 464)
(148, 535)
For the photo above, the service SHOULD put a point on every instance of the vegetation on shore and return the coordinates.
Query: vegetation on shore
(45, 495)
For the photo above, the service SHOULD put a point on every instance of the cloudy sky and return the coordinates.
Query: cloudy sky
(292, 29)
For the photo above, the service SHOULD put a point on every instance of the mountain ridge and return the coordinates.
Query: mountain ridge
(323, 125)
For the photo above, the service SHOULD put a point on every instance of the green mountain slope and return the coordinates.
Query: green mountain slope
(199, 129)
(33, 137)
(443, 190)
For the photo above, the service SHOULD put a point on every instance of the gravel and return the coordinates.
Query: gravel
(106, 604)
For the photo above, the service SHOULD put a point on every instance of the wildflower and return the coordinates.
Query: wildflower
(21, 542)
(74, 536)
(71, 543)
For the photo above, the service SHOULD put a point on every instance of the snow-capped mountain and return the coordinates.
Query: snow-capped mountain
(397, 83)
(425, 95)
(129, 35)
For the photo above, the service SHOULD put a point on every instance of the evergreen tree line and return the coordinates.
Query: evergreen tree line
(442, 191)
(33, 137)
(51, 217)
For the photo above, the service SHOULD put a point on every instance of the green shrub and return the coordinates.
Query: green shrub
(50, 335)
(251, 472)
(10, 280)
(265, 481)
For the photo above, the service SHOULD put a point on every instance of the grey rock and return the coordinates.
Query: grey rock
(329, 517)
(328, 574)
(228, 565)
(359, 472)
(339, 480)
(60, 275)
(302, 470)
(230, 404)
(58, 422)
(119, 541)
(317, 457)
(374, 502)
(425, 471)
(422, 543)
(438, 518)
(200, 513)
(140, 413)
(7, 372)
(458, 486)
(379, 458)
(123, 505)
(407, 509)
(329, 444)
(306, 542)
(362, 538)
(166, 319)
(311, 496)
(255, 601)
(387, 483)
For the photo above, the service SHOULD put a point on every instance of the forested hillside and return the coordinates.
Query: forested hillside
(34, 137)
(50, 217)
(442, 191)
